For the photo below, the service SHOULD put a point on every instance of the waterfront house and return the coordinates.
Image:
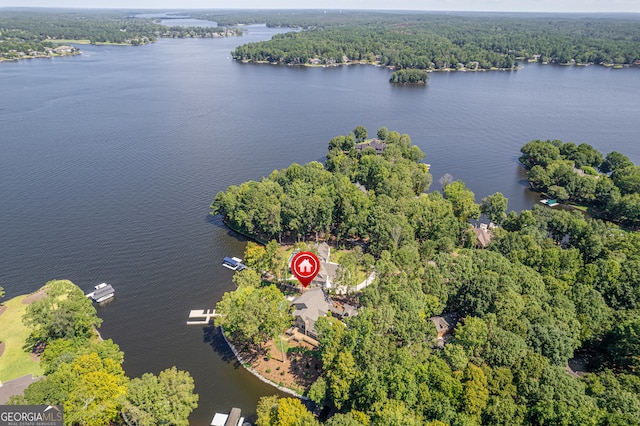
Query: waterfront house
(482, 229)
(310, 306)
(376, 144)
(313, 304)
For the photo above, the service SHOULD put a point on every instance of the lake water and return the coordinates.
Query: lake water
(109, 161)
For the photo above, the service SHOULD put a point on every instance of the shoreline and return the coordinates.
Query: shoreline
(378, 65)
(515, 68)
(250, 369)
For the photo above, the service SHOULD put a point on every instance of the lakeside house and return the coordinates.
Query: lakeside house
(482, 229)
(376, 144)
(316, 303)
(445, 324)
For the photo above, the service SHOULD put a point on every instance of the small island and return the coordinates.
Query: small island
(409, 76)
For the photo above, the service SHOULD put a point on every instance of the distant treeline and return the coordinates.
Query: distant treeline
(35, 30)
(432, 41)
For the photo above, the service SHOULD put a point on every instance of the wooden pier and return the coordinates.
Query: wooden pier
(201, 316)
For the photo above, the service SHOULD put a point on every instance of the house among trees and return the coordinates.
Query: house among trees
(445, 324)
(376, 144)
(482, 229)
(313, 304)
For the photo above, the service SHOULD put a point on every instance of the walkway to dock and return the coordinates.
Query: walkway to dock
(201, 316)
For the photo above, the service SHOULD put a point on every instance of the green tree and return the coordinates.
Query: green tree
(96, 389)
(476, 392)
(391, 412)
(274, 411)
(340, 378)
(382, 133)
(627, 179)
(246, 277)
(623, 344)
(64, 314)
(360, 133)
(352, 418)
(456, 356)
(254, 315)
(495, 206)
(166, 399)
(255, 256)
(540, 153)
(613, 161)
(472, 335)
(559, 193)
(462, 199)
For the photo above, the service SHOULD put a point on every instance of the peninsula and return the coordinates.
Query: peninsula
(475, 316)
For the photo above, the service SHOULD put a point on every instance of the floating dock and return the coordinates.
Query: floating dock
(201, 316)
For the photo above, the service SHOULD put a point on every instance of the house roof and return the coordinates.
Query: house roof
(483, 236)
(445, 322)
(310, 306)
(103, 291)
(349, 310)
(327, 270)
(376, 144)
(323, 251)
(482, 221)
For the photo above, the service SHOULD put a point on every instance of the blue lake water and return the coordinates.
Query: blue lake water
(109, 161)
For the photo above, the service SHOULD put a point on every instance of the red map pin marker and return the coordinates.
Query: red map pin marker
(305, 266)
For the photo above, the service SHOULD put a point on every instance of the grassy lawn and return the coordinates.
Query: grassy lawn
(15, 362)
(581, 208)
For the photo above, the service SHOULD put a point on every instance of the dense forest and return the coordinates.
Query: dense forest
(38, 30)
(401, 40)
(608, 186)
(551, 286)
(84, 374)
(434, 41)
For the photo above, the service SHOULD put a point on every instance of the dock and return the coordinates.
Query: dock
(101, 293)
(201, 316)
(233, 263)
(550, 203)
(232, 419)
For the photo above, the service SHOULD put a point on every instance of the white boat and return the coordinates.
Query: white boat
(101, 293)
